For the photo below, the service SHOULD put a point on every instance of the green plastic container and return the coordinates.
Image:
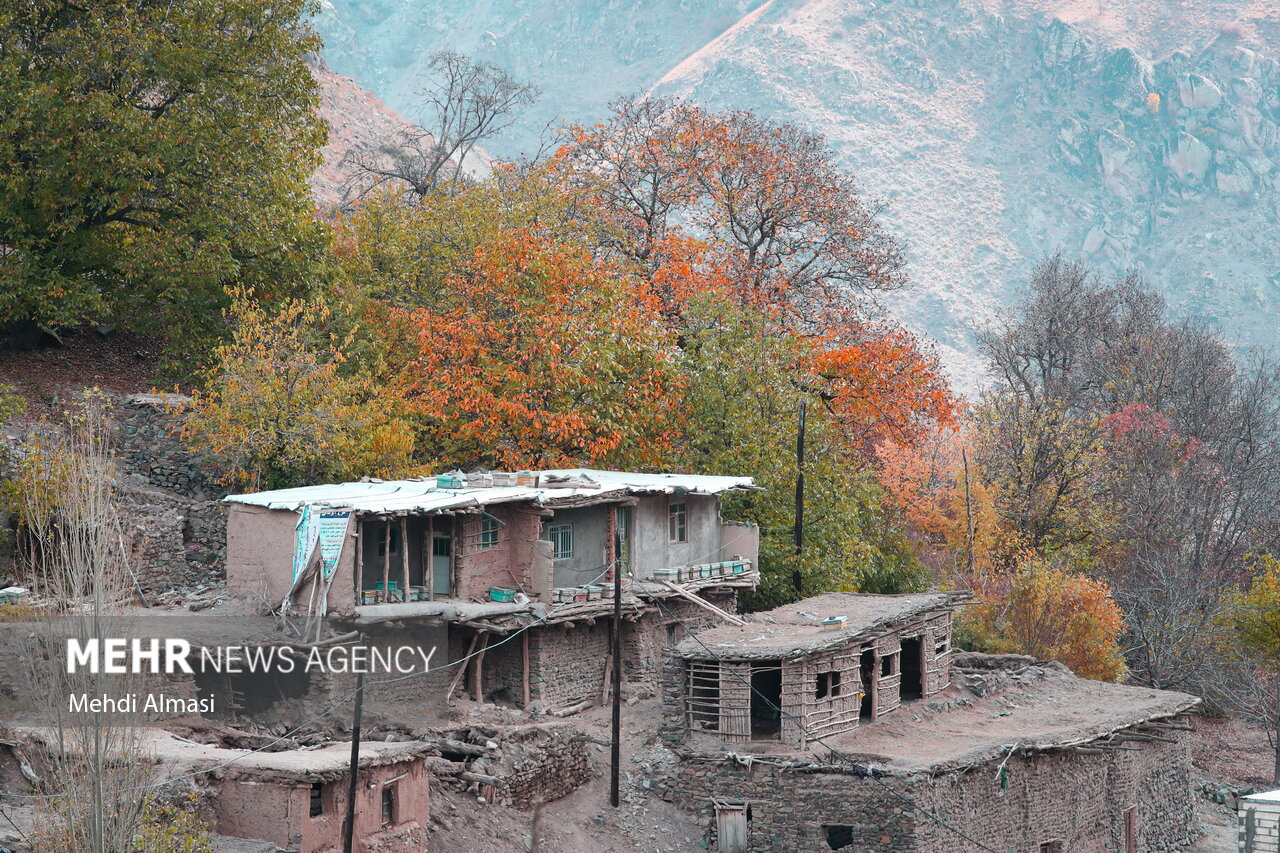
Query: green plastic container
(502, 594)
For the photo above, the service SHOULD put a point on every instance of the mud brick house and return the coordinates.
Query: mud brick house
(490, 554)
(879, 712)
(296, 799)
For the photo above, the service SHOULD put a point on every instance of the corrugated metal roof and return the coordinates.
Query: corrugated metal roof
(422, 495)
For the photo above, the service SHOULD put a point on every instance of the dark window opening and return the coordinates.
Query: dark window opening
(828, 685)
(888, 665)
(867, 669)
(839, 836)
(317, 799)
(1051, 847)
(382, 540)
(912, 671)
(943, 646)
(675, 633)
(766, 700)
(388, 805)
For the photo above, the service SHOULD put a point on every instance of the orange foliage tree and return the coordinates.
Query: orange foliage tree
(1042, 610)
(538, 355)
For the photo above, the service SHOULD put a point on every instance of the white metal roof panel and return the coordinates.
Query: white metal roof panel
(422, 495)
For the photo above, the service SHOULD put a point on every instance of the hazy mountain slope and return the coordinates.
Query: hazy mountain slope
(996, 131)
(581, 53)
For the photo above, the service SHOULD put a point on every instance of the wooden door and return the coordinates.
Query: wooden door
(731, 827)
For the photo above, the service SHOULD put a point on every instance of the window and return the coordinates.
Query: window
(677, 523)
(943, 646)
(489, 531)
(382, 540)
(828, 685)
(388, 805)
(561, 536)
(317, 799)
(1051, 847)
(888, 665)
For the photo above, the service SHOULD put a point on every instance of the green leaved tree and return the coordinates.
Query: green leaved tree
(153, 151)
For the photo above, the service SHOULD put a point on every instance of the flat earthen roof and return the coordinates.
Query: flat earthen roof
(795, 630)
(987, 713)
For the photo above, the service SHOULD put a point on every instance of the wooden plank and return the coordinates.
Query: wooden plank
(704, 604)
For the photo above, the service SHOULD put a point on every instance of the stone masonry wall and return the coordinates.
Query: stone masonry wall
(1077, 799)
(537, 763)
(1067, 796)
(790, 810)
(175, 514)
(567, 664)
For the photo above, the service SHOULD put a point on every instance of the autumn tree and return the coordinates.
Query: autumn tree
(1049, 612)
(1255, 613)
(766, 199)
(1136, 446)
(155, 151)
(535, 354)
(277, 409)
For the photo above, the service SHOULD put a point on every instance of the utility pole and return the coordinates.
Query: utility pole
(349, 825)
(797, 580)
(616, 752)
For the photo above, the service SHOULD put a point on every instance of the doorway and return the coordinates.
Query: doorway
(766, 700)
(912, 669)
(867, 670)
(441, 564)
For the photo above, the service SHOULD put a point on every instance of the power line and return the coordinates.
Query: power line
(859, 770)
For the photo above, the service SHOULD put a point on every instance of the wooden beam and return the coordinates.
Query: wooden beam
(704, 604)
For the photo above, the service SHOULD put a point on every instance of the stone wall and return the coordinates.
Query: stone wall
(1078, 799)
(173, 502)
(537, 763)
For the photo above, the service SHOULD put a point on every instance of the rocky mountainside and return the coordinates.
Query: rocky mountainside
(359, 122)
(1134, 133)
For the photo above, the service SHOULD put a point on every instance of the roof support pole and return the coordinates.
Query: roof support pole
(615, 748)
(477, 671)
(386, 560)
(349, 825)
(359, 567)
(404, 556)
(524, 679)
(429, 558)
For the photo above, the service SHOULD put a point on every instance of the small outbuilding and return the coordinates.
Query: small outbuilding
(1259, 816)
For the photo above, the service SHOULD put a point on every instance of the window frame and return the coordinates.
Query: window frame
(677, 523)
(489, 527)
(560, 534)
(389, 804)
(828, 685)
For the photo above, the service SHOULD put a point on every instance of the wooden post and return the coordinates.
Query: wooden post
(359, 572)
(386, 560)
(477, 673)
(404, 557)
(462, 668)
(524, 651)
(429, 570)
